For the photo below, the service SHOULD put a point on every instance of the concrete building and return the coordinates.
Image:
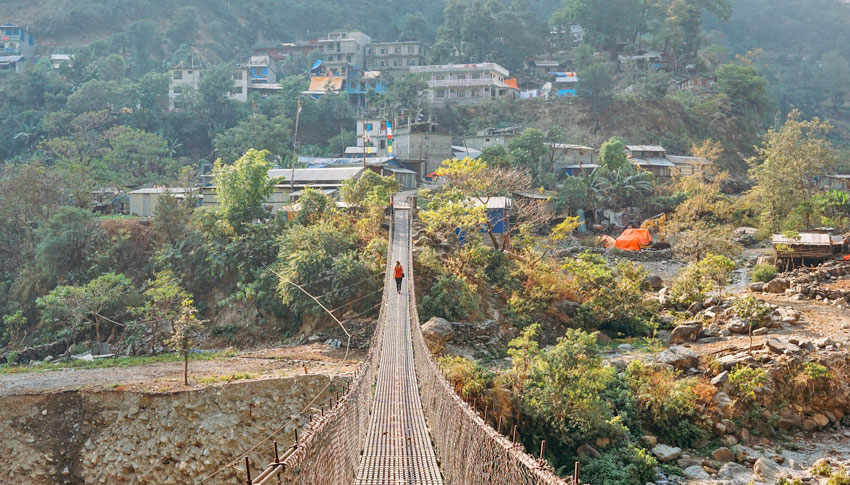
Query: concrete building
(17, 48)
(686, 166)
(697, 82)
(258, 74)
(342, 50)
(570, 160)
(143, 201)
(281, 52)
(420, 148)
(467, 83)
(395, 59)
(58, 60)
(492, 137)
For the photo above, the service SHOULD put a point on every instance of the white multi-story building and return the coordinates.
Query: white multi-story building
(395, 58)
(341, 50)
(258, 74)
(467, 83)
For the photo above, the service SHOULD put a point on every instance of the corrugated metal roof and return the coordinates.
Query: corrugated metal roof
(653, 162)
(804, 238)
(566, 146)
(645, 148)
(162, 190)
(325, 83)
(335, 174)
(680, 160)
(494, 202)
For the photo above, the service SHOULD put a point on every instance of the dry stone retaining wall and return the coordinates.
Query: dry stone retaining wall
(169, 438)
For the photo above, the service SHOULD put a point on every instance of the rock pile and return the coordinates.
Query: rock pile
(809, 283)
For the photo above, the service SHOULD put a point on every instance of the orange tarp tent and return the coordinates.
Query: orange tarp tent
(607, 241)
(633, 239)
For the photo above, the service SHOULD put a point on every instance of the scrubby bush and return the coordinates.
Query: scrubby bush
(472, 379)
(763, 272)
(626, 464)
(747, 381)
(667, 406)
(449, 297)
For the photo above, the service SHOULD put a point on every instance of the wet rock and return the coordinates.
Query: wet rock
(696, 472)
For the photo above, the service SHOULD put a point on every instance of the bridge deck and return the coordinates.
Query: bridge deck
(398, 447)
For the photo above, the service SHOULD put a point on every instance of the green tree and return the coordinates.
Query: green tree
(100, 304)
(717, 269)
(612, 154)
(67, 246)
(187, 328)
(135, 157)
(163, 304)
(528, 151)
(243, 188)
(315, 206)
(260, 133)
(596, 85)
(787, 167)
(185, 25)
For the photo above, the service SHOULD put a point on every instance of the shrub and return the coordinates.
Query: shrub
(753, 311)
(626, 464)
(451, 298)
(689, 286)
(839, 477)
(747, 381)
(472, 378)
(763, 272)
(667, 406)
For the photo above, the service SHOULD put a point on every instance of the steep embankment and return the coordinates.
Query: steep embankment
(169, 438)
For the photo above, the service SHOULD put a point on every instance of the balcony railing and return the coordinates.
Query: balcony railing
(461, 82)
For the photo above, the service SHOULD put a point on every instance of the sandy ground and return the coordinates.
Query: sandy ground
(279, 362)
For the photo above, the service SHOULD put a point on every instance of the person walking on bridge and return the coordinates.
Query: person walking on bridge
(398, 274)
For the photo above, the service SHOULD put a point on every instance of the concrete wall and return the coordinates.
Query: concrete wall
(133, 438)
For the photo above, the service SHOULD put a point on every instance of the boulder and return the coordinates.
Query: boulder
(648, 440)
(696, 472)
(654, 281)
(766, 470)
(719, 429)
(722, 454)
(687, 332)
(761, 331)
(437, 332)
(666, 452)
(776, 346)
(736, 325)
(776, 285)
(731, 361)
(820, 420)
(587, 451)
(567, 307)
(679, 357)
(720, 379)
(729, 441)
(602, 339)
(736, 472)
(809, 424)
(756, 287)
(722, 400)
(694, 308)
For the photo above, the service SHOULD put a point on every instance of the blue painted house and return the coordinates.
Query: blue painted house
(16, 47)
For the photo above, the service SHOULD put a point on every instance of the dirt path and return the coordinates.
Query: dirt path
(817, 320)
(317, 358)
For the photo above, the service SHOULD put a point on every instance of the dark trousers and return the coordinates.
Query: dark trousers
(398, 283)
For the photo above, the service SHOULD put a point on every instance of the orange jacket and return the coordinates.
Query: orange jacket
(399, 272)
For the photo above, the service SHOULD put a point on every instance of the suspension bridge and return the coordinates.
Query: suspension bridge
(400, 422)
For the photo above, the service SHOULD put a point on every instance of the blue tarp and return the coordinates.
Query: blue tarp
(316, 65)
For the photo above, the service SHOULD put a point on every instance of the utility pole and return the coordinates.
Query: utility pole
(363, 121)
(295, 149)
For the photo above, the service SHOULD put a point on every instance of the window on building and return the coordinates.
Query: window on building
(461, 77)
(441, 93)
(411, 49)
(373, 84)
(237, 90)
(348, 58)
(397, 50)
(178, 74)
(177, 90)
(475, 75)
(461, 93)
(383, 144)
(371, 51)
(383, 50)
(439, 77)
(237, 75)
(411, 62)
(395, 62)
